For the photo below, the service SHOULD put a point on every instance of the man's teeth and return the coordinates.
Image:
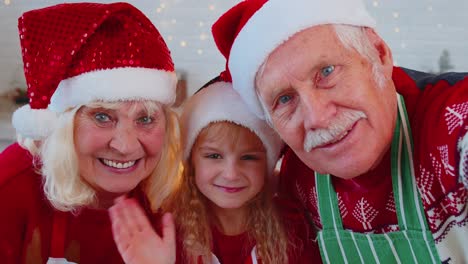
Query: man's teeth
(119, 165)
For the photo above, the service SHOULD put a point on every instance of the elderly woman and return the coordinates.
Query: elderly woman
(98, 126)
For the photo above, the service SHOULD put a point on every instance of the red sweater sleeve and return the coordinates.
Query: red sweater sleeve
(23, 209)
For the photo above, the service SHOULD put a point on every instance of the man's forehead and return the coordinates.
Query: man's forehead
(313, 46)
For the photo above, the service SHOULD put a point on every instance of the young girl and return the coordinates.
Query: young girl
(224, 208)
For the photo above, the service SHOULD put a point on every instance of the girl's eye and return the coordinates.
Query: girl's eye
(213, 156)
(145, 120)
(326, 71)
(284, 99)
(102, 117)
(249, 157)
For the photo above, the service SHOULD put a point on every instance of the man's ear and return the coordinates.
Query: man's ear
(384, 52)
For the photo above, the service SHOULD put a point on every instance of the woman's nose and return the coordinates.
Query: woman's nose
(124, 139)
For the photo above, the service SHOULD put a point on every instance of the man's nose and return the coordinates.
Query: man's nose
(316, 109)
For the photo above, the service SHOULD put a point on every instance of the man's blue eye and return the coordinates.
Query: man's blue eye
(284, 99)
(327, 70)
(101, 117)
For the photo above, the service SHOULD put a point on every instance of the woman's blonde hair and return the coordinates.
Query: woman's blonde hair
(194, 220)
(64, 187)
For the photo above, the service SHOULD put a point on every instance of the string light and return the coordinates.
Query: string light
(158, 10)
(397, 30)
(200, 51)
(183, 44)
(212, 7)
(203, 36)
(170, 38)
(7, 2)
(375, 4)
(396, 14)
(429, 8)
(201, 24)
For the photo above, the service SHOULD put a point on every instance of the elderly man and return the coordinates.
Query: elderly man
(378, 155)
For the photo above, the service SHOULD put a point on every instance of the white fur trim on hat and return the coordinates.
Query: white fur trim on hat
(219, 102)
(274, 23)
(33, 123)
(118, 84)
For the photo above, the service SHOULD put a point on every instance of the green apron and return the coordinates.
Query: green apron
(412, 244)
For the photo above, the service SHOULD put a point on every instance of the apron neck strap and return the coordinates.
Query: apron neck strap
(408, 205)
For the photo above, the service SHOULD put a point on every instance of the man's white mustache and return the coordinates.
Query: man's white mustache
(338, 129)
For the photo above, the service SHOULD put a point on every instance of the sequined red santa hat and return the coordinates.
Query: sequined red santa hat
(247, 33)
(218, 102)
(74, 54)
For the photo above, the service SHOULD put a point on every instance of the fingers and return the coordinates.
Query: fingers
(132, 215)
(168, 228)
(121, 234)
(169, 236)
(135, 215)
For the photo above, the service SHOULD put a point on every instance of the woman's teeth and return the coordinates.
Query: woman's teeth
(118, 165)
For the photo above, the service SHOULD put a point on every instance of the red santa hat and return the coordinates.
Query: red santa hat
(74, 54)
(247, 33)
(217, 102)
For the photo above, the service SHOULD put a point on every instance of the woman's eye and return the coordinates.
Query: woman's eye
(213, 156)
(284, 99)
(145, 120)
(102, 117)
(326, 71)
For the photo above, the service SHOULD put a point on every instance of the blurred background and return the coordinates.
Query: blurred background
(425, 35)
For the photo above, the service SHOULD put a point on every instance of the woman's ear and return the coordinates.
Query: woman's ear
(384, 52)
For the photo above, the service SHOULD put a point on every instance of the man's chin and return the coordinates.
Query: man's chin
(343, 172)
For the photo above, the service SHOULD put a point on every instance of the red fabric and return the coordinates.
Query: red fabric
(226, 28)
(237, 249)
(27, 219)
(231, 249)
(436, 132)
(66, 40)
(300, 232)
(59, 228)
(13, 160)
